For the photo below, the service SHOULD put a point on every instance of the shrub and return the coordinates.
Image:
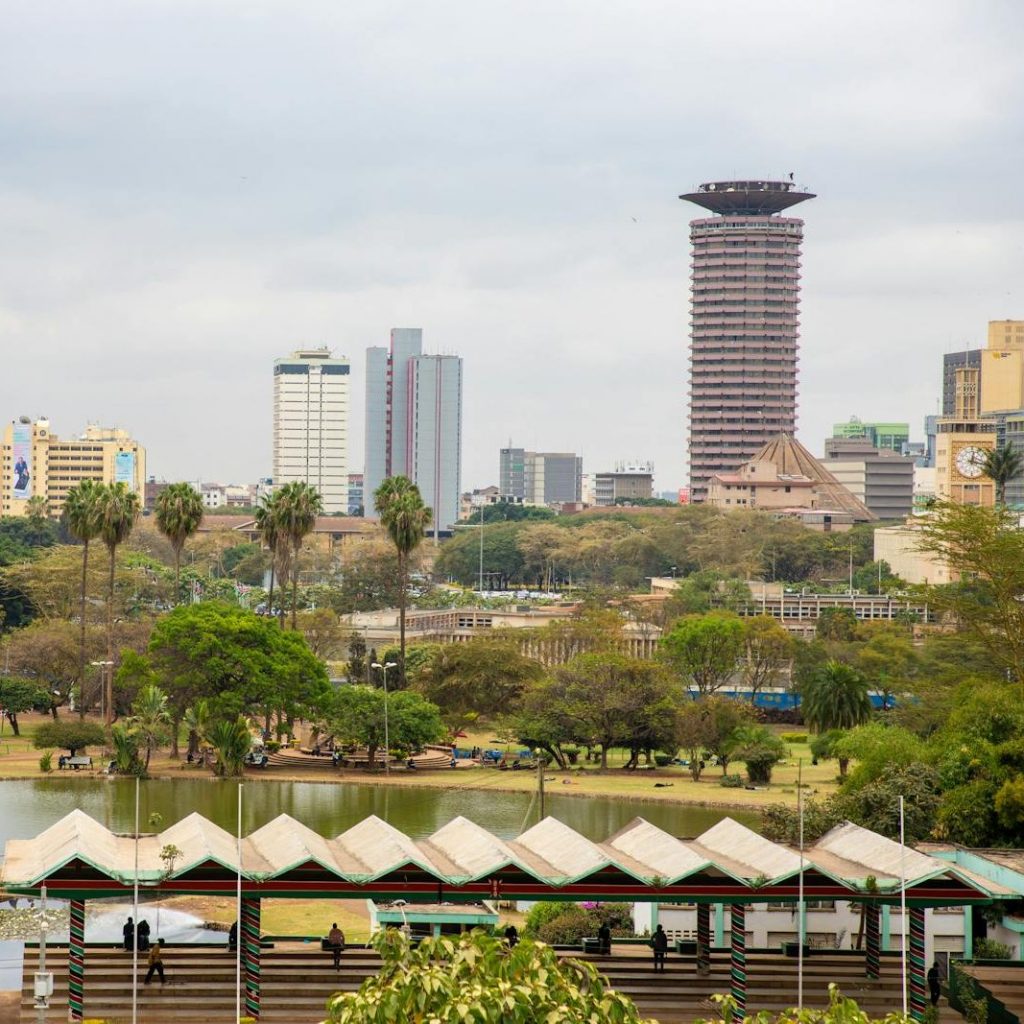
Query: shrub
(989, 949)
(46, 762)
(71, 736)
(731, 781)
(539, 914)
(760, 750)
(794, 737)
(662, 760)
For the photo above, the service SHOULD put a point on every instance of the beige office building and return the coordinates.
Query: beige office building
(962, 443)
(36, 463)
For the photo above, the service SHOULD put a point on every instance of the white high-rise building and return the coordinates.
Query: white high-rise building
(311, 402)
(414, 423)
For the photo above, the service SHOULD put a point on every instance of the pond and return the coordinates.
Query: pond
(27, 807)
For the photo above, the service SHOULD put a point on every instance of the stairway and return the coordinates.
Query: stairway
(1004, 983)
(297, 981)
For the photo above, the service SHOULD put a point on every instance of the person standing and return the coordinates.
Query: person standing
(659, 944)
(233, 937)
(143, 935)
(336, 942)
(934, 983)
(128, 932)
(156, 962)
(511, 935)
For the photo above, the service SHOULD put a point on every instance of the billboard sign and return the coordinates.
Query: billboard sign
(684, 495)
(124, 469)
(21, 454)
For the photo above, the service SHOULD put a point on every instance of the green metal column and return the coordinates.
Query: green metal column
(886, 929)
(703, 938)
(76, 962)
(655, 915)
(719, 925)
(918, 992)
(969, 932)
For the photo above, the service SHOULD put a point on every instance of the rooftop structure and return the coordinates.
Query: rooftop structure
(743, 323)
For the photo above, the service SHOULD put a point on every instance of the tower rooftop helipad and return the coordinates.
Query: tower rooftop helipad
(747, 197)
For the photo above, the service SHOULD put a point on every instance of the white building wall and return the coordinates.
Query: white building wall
(311, 404)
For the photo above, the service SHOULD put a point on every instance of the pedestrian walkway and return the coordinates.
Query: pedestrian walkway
(297, 980)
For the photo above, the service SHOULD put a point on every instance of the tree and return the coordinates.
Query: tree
(405, 518)
(322, 632)
(984, 550)
(703, 650)
(178, 512)
(890, 663)
(477, 977)
(18, 695)
(47, 651)
(357, 715)
(240, 662)
(273, 539)
(151, 719)
(117, 509)
(197, 720)
(1001, 466)
(296, 507)
(836, 624)
(760, 750)
(356, 658)
(231, 740)
(81, 518)
(608, 700)
(835, 697)
(71, 736)
(482, 676)
(767, 649)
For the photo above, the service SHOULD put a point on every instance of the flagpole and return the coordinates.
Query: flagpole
(903, 905)
(135, 918)
(238, 917)
(801, 929)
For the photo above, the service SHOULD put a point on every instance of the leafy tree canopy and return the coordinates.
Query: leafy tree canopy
(703, 650)
(69, 735)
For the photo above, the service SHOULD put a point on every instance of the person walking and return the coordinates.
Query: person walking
(128, 932)
(659, 944)
(336, 943)
(934, 983)
(156, 962)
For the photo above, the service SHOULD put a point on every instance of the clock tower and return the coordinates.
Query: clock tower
(963, 441)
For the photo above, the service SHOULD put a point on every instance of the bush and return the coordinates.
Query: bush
(731, 781)
(569, 923)
(760, 750)
(989, 949)
(46, 762)
(71, 736)
(539, 914)
(794, 737)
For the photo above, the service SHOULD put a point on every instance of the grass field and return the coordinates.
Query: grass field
(18, 760)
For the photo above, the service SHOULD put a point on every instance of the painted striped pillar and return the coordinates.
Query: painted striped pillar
(76, 962)
(873, 937)
(738, 971)
(250, 938)
(703, 938)
(915, 956)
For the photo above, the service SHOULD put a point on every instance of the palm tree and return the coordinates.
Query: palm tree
(232, 742)
(151, 719)
(82, 522)
(296, 506)
(273, 540)
(835, 697)
(179, 511)
(402, 513)
(197, 721)
(37, 509)
(117, 509)
(1001, 465)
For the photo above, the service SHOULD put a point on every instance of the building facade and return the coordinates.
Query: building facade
(628, 481)
(356, 506)
(37, 463)
(893, 436)
(962, 442)
(414, 423)
(951, 363)
(541, 478)
(880, 477)
(311, 404)
(743, 324)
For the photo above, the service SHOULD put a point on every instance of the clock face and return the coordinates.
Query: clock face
(969, 461)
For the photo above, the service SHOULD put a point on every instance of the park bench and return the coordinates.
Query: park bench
(75, 762)
(591, 944)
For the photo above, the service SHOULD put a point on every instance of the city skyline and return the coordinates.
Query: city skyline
(180, 232)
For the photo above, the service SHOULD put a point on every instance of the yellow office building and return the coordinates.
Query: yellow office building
(1002, 367)
(35, 463)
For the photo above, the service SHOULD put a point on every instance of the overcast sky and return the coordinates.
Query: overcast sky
(191, 188)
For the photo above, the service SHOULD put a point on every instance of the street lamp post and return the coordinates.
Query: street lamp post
(387, 743)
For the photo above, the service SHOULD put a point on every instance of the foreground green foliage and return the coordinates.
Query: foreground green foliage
(477, 978)
(840, 1010)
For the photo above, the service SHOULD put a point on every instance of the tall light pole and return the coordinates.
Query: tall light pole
(106, 690)
(482, 506)
(387, 742)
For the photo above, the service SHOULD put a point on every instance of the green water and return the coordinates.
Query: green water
(27, 807)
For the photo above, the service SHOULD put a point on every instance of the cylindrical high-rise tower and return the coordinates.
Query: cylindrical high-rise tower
(743, 326)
